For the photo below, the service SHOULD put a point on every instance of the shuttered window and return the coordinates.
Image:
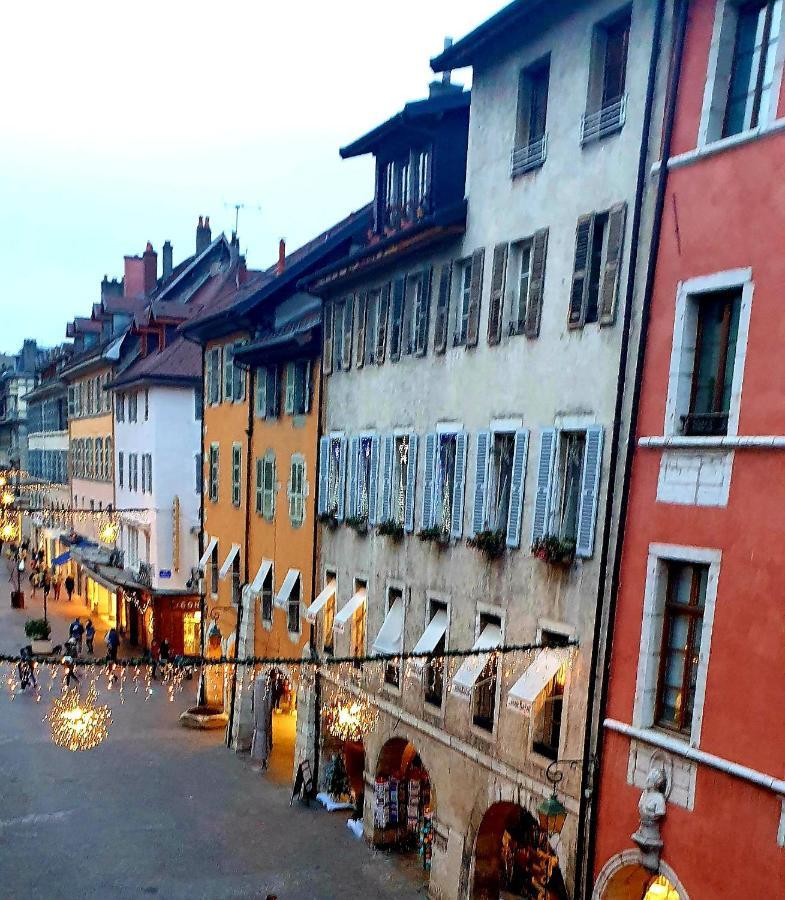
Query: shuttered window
(599, 241)
(362, 312)
(348, 322)
(297, 491)
(265, 485)
(421, 312)
(500, 472)
(212, 376)
(236, 473)
(442, 315)
(396, 318)
(367, 349)
(339, 310)
(496, 303)
(464, 296)
(327, 338)
(527, 267)
(381, 333)
(260, 393)
(332, 475)
(298, 388)
(228, 373)
(471, 275)
(213, 473)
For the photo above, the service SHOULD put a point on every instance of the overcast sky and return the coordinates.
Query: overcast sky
(122, 122)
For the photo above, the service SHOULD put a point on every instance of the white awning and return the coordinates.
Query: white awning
(346, 612)
(466, 677)
(208, 552)
(224, 570)
(535, 679)
(282, 597)
(258, 582)
(390, 636)
(319, 603)
(435, 631)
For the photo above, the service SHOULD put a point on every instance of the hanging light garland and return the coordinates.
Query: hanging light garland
(349, 717)
(76, 724)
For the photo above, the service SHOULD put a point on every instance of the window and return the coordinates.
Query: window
(358, 624)
(363, 481)
(400, 478)
(265, 486)
(90, 396)
(149, 483)
(434, 668)
(238, 382)
(267, 596)
(89, 471)
(213, 473)
(605, 105)
(236, 580)
(752, 67)
(213, 375)
(465, 282)
(681, 641)
(336, 467)
(392, 669)
(530, 144)
(484, 693)
(598, 246)
(445, 481)
(133, 402)
(146, 404)
(527, 271)
(198, 404)
(328, 640)
(98, 466)
(198, 472)
(133, 547)
(572, 451)
(293, 609)
(500, 473)
(108, 460)
(421, 182)
(371, 327)
(72, 402)
(712, 370)
(297, 491)
(547, 713)
(298, 388)
(267, 392)
(119, 407)
(228, 373)
(236, 473)
(339, 311)
(214, 571)
(133, 463)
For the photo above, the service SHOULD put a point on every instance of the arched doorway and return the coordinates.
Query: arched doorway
(624, 878)
(512, 857)
(404, 802)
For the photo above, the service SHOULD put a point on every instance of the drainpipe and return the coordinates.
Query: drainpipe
(201, 698)
(592, 747)
(317, 683)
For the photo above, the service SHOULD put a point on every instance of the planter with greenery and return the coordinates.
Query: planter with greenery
(357, 523)
(491, 543)
(552, 549)
(38, 630)
(391, 529)
(435, 534)
(329, 519)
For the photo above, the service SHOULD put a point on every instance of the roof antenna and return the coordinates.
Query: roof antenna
(237, 207)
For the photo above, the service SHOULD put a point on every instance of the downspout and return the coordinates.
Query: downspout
(592, 747)
(201, 699)
(317, 684)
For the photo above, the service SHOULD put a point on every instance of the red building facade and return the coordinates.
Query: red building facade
(693, 725)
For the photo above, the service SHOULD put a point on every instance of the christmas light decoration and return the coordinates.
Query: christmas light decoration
(7, 498)
(108, 531)
(78, 725)
(349, 717)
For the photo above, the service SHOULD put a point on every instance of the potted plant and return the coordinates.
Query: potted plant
(38, 630)
(552, 549)
(437, 535)
(491, 543)
(329, 519)
(336, 781)
(357, 523)
(391, 529)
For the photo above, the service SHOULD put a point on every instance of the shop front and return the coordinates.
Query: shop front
(178, 619)
(101, 596)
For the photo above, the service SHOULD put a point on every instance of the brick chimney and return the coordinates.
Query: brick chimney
(150, 265)
(281, 257)
(111, 287)
(133, 282)
(203, 236)
(167, 259)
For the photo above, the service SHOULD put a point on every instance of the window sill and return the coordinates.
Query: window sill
(487, 736)
(725, 442)
(540, 759)
(433, 710)
(719, 146)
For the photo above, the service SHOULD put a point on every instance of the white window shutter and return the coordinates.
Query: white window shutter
(480, 480)
(427, 492)
(354, 451)
(342, 481)
(387, 476)
(587, 514)
(461, 443)
(514, 514)
(373, 481)
(411, 479)
(324, 472)
(542, 499)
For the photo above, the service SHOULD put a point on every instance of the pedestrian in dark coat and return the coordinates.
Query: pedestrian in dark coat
(69, 587)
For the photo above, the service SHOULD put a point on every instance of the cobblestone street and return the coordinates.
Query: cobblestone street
(159, 810)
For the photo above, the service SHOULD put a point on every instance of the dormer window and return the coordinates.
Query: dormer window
(405, 189)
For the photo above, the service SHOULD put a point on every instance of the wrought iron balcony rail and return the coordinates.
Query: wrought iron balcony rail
(531, 156)
(604, 121)
(705, 424)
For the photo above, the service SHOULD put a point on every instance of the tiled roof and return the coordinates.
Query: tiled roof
(180, 360)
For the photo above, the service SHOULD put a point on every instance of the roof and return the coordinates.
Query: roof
(291, 338)
(52, 386)
(124, 304)
(413, 114)
(108, 351)
(192, 263)
(179, 362)
(465, 51)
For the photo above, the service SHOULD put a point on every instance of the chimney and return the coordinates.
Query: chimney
(111, 287)
(281, 257)
(202, 234)
(445, 86)
(167, 259)
(447, 74)
(134, 276)
(150, 265)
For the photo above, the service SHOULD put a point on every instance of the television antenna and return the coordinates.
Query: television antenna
(237, 207)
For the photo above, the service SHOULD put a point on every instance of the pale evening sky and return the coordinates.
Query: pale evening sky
(122, 122)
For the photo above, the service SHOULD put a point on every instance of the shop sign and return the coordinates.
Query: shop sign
(186, 605)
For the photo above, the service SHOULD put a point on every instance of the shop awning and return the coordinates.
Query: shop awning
(319, 603)
(282, 597)
(390, 636)
(99, 579)
(346, 612)
(466, 677)
(536, 678)
(224, 570)
(62, 558)
(435, 631)
(208, 552)
(258, 582)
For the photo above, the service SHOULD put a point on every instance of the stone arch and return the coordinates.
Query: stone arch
(624, 878)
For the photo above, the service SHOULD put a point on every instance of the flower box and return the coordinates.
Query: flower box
(491, 543)
(554, 551)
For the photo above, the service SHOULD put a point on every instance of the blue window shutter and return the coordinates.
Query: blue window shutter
(411, 479)
(373, 481)
(587, 514)
(342, 481)
(461, 443)
(480, 480)
(517, 488)
(354, 450)
(427, 490)
(324, 470)
(387, 475)
(542, 499)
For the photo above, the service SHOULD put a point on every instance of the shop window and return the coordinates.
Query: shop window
(267, 596)
(293, 609)
(548, 713)
(484, 693)
(434, 668)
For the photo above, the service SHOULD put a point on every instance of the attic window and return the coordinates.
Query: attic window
(404, 188)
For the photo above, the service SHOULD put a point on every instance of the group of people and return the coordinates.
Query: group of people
(47, 578)
(77, 631)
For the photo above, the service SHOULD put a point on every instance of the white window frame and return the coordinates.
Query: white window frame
(488, 609)
(213, 473)
(651, 633)
(237, 473)
(683, 348)
(297, 460)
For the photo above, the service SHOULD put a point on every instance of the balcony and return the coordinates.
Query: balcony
(529, 157)
(605, 121)
(705, 424)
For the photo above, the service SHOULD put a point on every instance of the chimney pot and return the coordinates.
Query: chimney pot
(281, 256)
(203, 234)
(167, 259)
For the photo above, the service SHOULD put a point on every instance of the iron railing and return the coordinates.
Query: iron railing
(604, 121)
(531, 156)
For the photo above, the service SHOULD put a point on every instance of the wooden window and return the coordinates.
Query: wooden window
(348, 323)
(715, 355)
(370, 337)
(397, 318)
(681, 640)
(362, 304)
(434, 668)
(484, 693)
(297, 491)
(265, 485)
(464, 305)
(213, 472)
(442, 316)
(381, 333)
(498, 280)
(421, 312)
(530, 131)
(528, 270)
(237, 452)
(339, 311)
(614, 70)
(599, 239)
(327, 338)
(549, 707)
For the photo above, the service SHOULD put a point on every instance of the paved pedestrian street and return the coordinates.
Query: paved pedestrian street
(159, 810)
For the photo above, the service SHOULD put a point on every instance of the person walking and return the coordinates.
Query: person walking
(57, 584)
(155, 651)
(76, 631)
(47, 583)
(112, 643)
(69, 587)
(70, 670)
(89, 633)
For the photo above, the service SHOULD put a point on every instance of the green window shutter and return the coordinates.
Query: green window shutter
(228, 372)
(496, 303)
(362, 305)
(422, 314)
(539, 253)
(327, 338)
(584, 232)
(259, 482)
(289, 395)
(475, 298)
(609, 286)
(396, 318)
(260, 398)
(381, 332)
(442, 316)
(348, 319)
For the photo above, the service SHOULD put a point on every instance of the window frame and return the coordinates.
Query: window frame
(464, 299)
(390, 667)
(483, 616)
(237, 473)
(556, 635)
(433, 603)
(214, 462)
(297, 498)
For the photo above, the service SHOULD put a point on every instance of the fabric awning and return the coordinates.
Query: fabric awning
(466, 677)
(319, 603)
(208, 552)
(390, 636)
(282, 597)
(224, 570)
(346, 612)
(62, 558)
(258, 582)
(536, 678)
(435, 631)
